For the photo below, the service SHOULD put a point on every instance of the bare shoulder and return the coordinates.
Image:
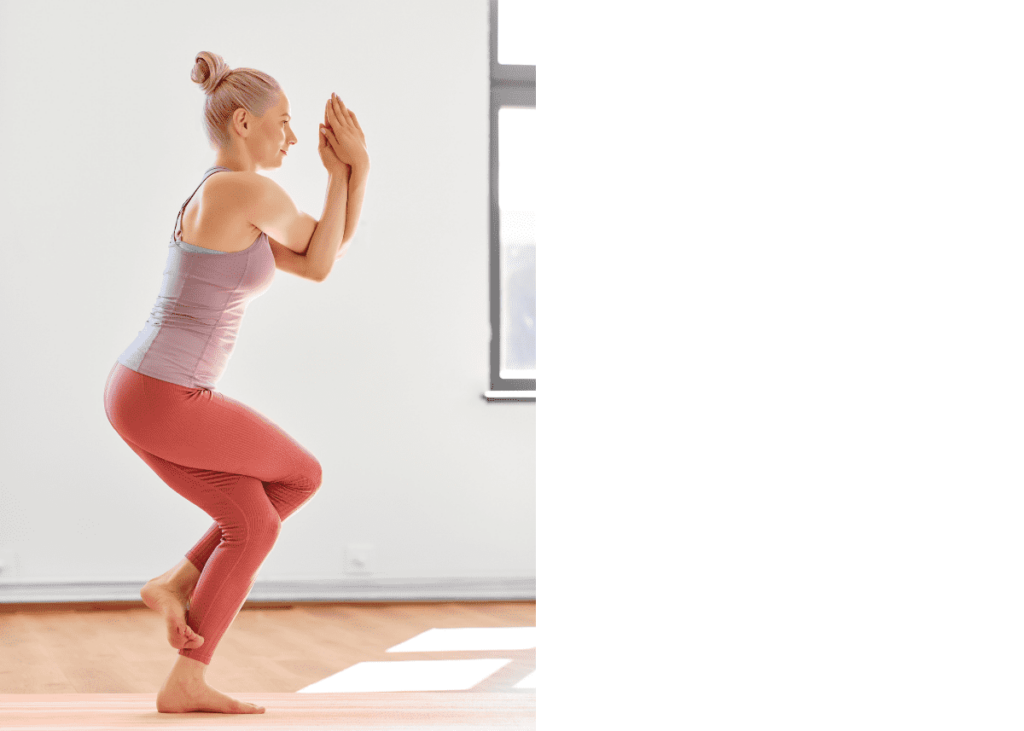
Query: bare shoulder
(242, 186)
(251, 194)
(246, 193)
(263, 203)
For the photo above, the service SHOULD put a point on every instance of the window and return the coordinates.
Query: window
(513, 247)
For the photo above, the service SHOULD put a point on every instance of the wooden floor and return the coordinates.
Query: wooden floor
(99, 666)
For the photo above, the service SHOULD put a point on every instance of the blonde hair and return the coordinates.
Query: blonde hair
(228, 89)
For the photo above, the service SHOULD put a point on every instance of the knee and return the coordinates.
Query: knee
(315, 475)
(263, 529)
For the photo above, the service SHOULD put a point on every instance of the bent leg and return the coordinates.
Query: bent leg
(249, 525)
(207, 430)
(230, 460)
(302, 479)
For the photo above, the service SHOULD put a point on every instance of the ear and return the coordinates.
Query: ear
(240, 121)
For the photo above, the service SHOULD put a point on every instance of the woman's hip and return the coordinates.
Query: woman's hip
(200, 428)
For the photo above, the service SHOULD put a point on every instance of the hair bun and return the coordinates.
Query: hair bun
(209, 70)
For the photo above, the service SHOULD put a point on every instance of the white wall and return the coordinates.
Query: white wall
(378, 371)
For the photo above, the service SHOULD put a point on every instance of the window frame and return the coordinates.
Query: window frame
(511, 86)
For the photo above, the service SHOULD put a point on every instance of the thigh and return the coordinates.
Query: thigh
(202, 429)
(236, 502)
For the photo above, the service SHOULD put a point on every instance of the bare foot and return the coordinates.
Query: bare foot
(178, 696)
(159, 597)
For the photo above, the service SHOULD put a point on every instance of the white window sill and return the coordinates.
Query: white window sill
(510, 395)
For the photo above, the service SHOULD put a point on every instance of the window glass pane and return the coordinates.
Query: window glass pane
(517, 40)
(517, 171)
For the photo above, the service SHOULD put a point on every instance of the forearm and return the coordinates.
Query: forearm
(356, 192)
(342, 206)
(327, 236)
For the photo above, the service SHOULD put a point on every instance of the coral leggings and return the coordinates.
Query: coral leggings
(232, 462)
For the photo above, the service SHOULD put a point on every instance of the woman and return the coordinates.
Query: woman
(231, 234)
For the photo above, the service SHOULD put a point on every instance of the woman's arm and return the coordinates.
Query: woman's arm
(287, 260)
(356, 192)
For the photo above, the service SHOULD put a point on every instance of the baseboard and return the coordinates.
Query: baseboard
(460, 589)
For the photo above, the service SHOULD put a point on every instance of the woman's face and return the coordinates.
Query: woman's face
(273, 135)
(276, 128)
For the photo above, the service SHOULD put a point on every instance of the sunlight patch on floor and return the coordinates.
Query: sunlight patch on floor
(470, 638)
(433, 675)
(528, 682)
(408, 675)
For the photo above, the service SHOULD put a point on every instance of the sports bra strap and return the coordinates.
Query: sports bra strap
(177, 221)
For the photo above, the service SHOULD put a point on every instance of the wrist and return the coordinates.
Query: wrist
(340, 173)
(360, 168)
(363, 161)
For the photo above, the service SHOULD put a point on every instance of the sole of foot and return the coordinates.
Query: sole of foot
(165, 601)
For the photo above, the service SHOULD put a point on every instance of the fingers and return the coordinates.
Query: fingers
(331, 116)
(336, 107)
(348, 114)
(340, 109)
(339, 117)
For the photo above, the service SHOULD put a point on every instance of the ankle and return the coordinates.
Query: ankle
(188, 671)
(180, 586)
(182, 578)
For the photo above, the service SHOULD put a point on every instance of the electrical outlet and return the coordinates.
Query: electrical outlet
(359, 558)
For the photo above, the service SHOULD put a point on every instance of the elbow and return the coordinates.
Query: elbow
(320, 276)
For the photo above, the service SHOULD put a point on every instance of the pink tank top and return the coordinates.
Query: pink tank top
(192, 328)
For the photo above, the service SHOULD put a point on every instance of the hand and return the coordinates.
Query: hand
(331, 161)
(342, 143)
